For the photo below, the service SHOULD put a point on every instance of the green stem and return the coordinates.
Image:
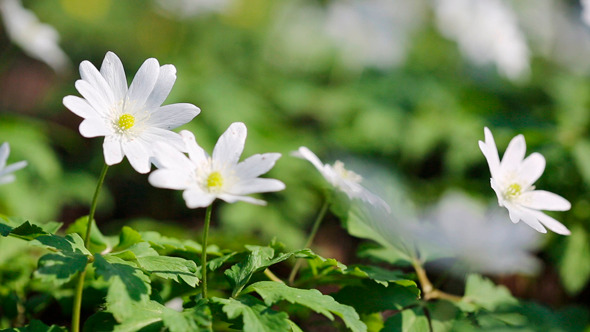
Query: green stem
(80, 284)
(314, 230)
(204, 249)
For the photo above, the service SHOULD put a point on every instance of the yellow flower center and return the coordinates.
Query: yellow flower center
(214, 181)
(513, 191)
(126, 121)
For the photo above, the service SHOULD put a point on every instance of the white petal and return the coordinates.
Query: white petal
(256, 165)
(164, 84)
(517, 213)
(230, 145)
(138, 154)
(90, 74)
(79, 106)
(257, 185)
(114, 74)
(169, 179)
(14, 167)
(235, 198)
(144, 82)
(490, 152)
(196, 198)
(174, 115)
(306, 153)
(195, 152)
(531, 169)
(169, 157)
(154, 135)
(514, 154)
(7, 179)
(551, 223)
(98, 101)
(94, 127)
(113, 153)
(4, 152)
(544, 200)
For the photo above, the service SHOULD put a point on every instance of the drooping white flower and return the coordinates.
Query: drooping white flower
(487, 32)
(204, 178)
(513, 179)
(459, 227)
(131, 120)
(6, 175)
(39, 40)
(345, 180)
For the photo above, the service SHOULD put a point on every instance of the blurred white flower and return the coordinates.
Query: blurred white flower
(205, 178)
(6, 175)
(513, 179)
(459, 227)
(189, 8)
(358, 33)
(131, 120)
(586, 11)
(347, 181)
(487, 32)
(38, 40)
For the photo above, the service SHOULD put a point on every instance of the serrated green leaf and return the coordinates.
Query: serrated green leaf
(259, 259)
(128, 284)
(574, 267)
(98, 242)
(481, 292)
(37, 326)
(174, 268)
(372, 297)
(409, 320)
(141, 249)
(294, 327)
(272, 292)
(71, 243)
(127, 238)
(24, 229)
(169, 244)
(256, 317)
(60, 267)
(381, 275)
(27, 231)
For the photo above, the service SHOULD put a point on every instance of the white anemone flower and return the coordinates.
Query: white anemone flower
(6, 175)
(131, 120)
(347, 181)
(513, 179)
(204, 178)
(38, 40)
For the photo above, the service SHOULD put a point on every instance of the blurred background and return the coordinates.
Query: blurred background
(405, 87)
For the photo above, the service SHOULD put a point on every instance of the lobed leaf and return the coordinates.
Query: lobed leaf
(256, 316)
(481, 292)
(60, 267)
(371, 297)
(174, 268)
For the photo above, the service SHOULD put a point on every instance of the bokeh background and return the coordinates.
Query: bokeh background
(405, 87)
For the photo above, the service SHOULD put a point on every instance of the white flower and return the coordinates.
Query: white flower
(513, 179)
(5, 171)
(37, 39)
(487, 32)
(131, 120)
(339, 177)
(586, 11)
(461, 227)
(205, 178)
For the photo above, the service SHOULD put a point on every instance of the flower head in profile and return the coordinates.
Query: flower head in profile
(6, 175)
(347, 181)
(203, 178)
(513, 179)
(131, 119)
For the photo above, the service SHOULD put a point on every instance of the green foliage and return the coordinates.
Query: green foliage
(37, 326)
(574, 267)
(255, 316)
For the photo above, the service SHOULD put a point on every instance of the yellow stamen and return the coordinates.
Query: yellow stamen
(214, 180)
(126, 121)
(513, 191)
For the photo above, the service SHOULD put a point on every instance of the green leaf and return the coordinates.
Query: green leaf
(128, 284)
(98, 242)
(481, 292)
(168, 244)
(409, 320)
(174, 268)
(259, 259)
(574, 267)
(71, 243)
(127, 238)
(256, 317)
(60, 267)
(37, 326)
(372, 297)
(272, 292)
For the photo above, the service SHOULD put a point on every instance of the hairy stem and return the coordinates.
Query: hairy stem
(204, 249)
(310, 238)
(80, 284)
